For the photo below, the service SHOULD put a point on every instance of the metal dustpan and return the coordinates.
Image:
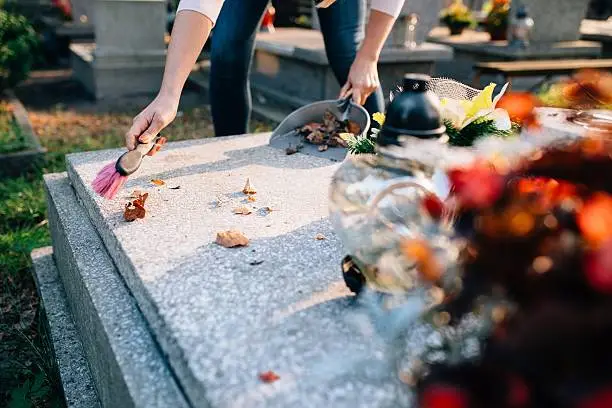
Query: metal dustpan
(285, 134)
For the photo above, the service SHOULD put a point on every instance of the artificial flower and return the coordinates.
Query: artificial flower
(379, 118)
(460, 113)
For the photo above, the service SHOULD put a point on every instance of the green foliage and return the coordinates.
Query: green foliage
(18, 42)
(361, 145)
(475, 130)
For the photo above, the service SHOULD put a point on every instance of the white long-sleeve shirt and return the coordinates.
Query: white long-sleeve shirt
(211, 8)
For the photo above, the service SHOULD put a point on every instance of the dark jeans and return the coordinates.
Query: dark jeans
(342, 25)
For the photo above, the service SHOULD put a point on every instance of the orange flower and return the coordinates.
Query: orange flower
(520, 107)
(551, 192)
(595, 219)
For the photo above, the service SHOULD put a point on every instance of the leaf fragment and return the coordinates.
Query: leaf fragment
(255, 263)
(158, 182)
(248, 189)
(251, 198)
(242, 211)
(269, 377)
(135, 209)
(320, 237)
(231, 239)
(175, 188)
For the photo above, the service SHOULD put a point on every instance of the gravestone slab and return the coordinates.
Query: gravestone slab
(291, 66)
(222, 316)
(554, 21)
(428, 12)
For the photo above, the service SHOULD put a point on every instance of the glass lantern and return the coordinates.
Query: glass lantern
(377, 200)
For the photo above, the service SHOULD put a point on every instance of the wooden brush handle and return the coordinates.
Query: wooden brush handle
(130, 161)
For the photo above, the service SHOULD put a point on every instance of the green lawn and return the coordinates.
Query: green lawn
(27, 375)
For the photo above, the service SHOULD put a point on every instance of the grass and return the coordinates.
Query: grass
(11, 138)
(28, 377)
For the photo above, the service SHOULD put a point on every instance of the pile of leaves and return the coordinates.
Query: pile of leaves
(330, 133)
(536, 269)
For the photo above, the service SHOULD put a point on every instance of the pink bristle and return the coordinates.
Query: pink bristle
(108, 182)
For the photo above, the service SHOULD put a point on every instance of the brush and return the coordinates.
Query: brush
(113, 176)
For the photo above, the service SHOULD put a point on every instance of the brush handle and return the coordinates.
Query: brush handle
(130, 161)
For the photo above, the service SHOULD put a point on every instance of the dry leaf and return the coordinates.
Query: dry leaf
(231, 239)
(320, 237)
(175, 188)
(158, 182)
(251, 198)
(267, 209)
(255, 263)
(322, 148)
(269, 377)
(242, 211)
(291, 150)
(135, 209)
(248, 189)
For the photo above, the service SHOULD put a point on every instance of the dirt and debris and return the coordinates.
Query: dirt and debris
(327, 133)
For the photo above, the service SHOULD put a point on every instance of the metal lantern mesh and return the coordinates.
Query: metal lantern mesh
(446, 88)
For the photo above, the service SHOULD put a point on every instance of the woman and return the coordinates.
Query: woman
(341, 24)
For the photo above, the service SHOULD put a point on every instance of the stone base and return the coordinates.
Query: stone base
(472, 47)
(290, 66)
(126, 366)
(77, 384)
(112, 76)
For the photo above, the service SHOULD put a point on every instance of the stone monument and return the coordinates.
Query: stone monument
(555, 35)
(129, 52)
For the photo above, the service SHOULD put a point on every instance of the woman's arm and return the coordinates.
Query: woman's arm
(191, 30)
(363, 76)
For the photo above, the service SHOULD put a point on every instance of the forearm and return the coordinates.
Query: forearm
(378, 29)
(190, 32)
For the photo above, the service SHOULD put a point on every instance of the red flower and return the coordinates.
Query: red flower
(433, 205)
(476, 187)
(443, 396)
(598, 269)
(595, 219)
(602, 399)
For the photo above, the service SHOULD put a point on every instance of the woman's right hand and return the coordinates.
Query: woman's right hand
(148, 123)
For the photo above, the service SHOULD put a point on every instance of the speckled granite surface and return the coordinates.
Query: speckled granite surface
(224, 315)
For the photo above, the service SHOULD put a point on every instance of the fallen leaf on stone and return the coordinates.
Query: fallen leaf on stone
(320, 237)
(251, 198)
(353, 127)
(231, 239)
(269, 377)
(248, 189)
(135, 209)
(255, 263)
(267, 209)
(175, 188)
(242, 211)
(158, 182)
(323, 148)
(291, 150)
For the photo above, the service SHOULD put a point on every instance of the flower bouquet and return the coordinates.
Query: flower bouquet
(534, 276)
(467, 113)
(497, 20)
(457, 17)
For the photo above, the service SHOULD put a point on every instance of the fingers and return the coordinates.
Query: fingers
(362, 90)
(346, 90)
(357, 96)
(156, 125)
(139, 125)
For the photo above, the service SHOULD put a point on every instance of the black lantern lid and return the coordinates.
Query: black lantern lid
(414, 112)
(522, 12)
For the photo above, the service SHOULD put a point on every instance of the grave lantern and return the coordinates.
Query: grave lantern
(377, 200)
(521, 28)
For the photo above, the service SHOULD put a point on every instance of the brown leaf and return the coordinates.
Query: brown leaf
(248, 189)
(269, 377)
(231, 239)
(353, 127)
(251, 198)
(320, 237)
(242, 211)
(135, 209)
(158, 182)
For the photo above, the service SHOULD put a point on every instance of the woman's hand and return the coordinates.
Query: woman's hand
(148, 123)
(362, 79)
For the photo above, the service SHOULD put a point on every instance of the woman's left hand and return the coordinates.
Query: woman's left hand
(362, 79)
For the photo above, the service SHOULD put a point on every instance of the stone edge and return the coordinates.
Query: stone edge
(77, 384)
(113, 350)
